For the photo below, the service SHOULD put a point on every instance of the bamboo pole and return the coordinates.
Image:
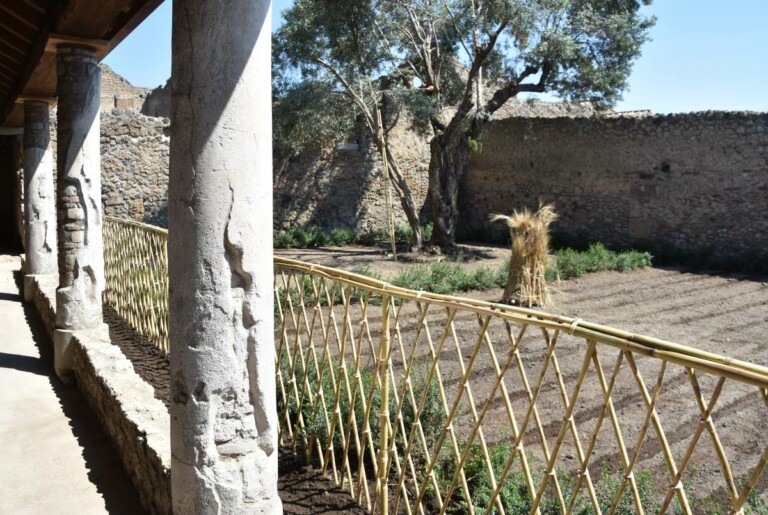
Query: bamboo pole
(382, 487)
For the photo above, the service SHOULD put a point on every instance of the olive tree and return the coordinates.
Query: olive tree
(457, 62)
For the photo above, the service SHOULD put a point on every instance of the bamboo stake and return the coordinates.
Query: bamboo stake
(382, 487)
(387, 185)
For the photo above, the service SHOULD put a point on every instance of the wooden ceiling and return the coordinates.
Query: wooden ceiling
(30, 30)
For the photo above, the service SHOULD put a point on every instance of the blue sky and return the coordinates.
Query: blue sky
(705, 54)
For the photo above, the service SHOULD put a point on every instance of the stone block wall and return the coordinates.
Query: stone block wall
(692, 181)
(346, 187)
(134, 166)
(117, 92)
(158, 101)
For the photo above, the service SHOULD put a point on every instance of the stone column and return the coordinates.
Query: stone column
(223, 410)
(39, 200)
(81, 260)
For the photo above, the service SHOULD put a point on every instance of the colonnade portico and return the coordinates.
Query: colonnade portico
(224, 428)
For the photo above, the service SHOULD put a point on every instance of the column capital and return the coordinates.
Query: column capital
(75, 52)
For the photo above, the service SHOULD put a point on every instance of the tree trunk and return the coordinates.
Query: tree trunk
(406, 199)
(402, 189)
(448, 162)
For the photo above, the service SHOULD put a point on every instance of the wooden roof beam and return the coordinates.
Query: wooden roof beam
(33, 57)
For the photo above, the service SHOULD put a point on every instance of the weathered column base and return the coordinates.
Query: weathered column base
(63, 351)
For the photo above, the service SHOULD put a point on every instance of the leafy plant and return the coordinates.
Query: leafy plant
(569, 263)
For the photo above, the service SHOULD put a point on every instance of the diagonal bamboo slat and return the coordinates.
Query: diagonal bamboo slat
(423, 403)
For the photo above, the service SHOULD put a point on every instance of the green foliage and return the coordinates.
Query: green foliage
(309, 116)
(569, 263)
(756, 505)
(340, 237)
(474, 146)
(608, 488)
(515, 496)
(446, 278)
(313, 388)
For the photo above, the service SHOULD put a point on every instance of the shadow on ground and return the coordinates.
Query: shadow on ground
(101, 459)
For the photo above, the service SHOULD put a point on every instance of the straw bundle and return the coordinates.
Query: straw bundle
(527, 284)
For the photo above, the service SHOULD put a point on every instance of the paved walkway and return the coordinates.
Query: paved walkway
(54, 457)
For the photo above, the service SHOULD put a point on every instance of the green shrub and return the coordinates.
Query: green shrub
(341, 237)
(284, 240)
(315, 426)
(403, 233)
(569, 263)
(426, 231)
(369, 237)
(514, 494)
(446, 278)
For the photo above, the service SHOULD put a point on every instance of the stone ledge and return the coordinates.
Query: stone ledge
(136, 422)
(44, 299)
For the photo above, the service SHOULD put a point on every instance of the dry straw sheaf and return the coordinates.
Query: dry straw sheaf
(527, 284)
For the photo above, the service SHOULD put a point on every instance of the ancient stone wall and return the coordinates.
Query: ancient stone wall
(117, 92)
(134, 166)
(690, 181)
(158, 101)
(345, 186)
(693, 181)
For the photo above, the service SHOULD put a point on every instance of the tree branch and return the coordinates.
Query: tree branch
(468, 100)
(516, 86)
(456, 28)
(357, 99)
(437, 125)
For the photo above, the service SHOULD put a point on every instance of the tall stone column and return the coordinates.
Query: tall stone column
(223, 409)
(80, 245)
(39, 200)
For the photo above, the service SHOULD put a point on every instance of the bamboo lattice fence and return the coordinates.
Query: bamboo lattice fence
(423, 403)
(136, 272)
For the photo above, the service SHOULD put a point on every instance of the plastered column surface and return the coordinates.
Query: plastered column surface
(78, 186)
(39, 198)
(81, 260)
(223, 409)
